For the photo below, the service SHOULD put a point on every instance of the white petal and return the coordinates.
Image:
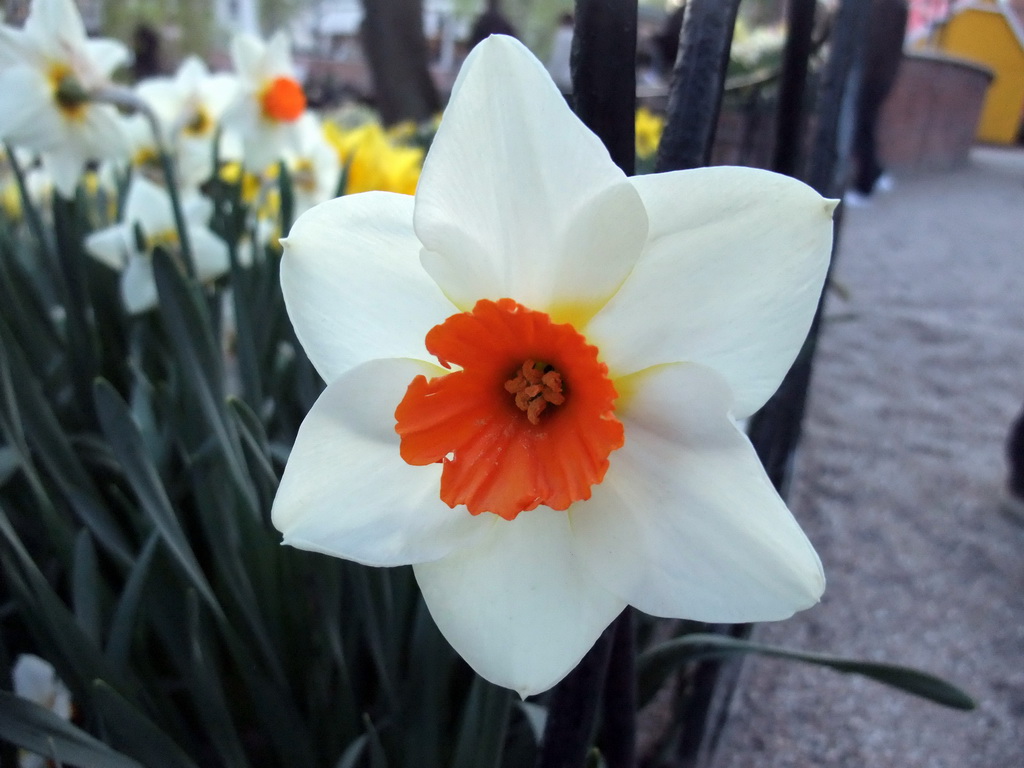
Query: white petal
(265, 141)
(195, 162)
(512, 182)
(110, 246)
(165, 98)
(278, 58)
(197, 208)
(107, 55)
(247, 52)
(217, 92)
(34, 678)
(138, 286)
(56, 26)
(149, 206)
(209, 252)
(346, 490)
(100, 135)
(191, 73)
(517, 605)
(353, 284)
(15, 48)
(686, 524)
(29, 117)
(65, 167)
(730, 278)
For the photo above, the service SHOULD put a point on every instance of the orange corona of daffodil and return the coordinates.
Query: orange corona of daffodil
(535, 370)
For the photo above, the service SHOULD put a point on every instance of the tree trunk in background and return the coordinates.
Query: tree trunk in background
(396, 51)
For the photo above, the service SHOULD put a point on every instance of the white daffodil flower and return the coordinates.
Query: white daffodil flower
(148, 222)
(48, 72)
(189, 107)
(271, 101)
(535, 368)
(36, 680)
(314, 165)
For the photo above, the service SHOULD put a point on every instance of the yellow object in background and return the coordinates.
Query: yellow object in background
(649, 127)
(372, 161)
(989, 33)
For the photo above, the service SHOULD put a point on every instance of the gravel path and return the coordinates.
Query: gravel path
(898, 484)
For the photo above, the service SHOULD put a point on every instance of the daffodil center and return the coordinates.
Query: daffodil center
(200, 124)
(146, 157)
(165, 238)
(283, 100)
(304, 176)
(513, 361)
(146, 242)
(533, 387)
(68, 91)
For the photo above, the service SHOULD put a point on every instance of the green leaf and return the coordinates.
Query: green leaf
(427, 701)
(62, 641)
(86, 586)
(39, 730)
(31, 422)
(127, 445)
(655, 664)
(135, 733)
(189, 327)
(9, 463)
(208, 694)
(81, 348)
(254, 440)
(484, 722)
(350, 757)
(123, 623)
(287, 190)
(377, 757)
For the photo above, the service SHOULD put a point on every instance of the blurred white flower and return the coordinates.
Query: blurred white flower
(314, 165)
(271, 100)
(38, 184)
(36, 680)
(48, 72)
(189, 107)
(148, 222)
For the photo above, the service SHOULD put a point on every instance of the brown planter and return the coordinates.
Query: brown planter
(930, 118)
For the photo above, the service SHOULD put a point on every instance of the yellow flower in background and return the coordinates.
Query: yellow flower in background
(372, 162)
(649, 127)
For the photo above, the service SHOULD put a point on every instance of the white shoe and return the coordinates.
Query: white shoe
(885, 183)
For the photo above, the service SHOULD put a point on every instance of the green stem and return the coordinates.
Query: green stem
(35, 221)
(120, 97)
